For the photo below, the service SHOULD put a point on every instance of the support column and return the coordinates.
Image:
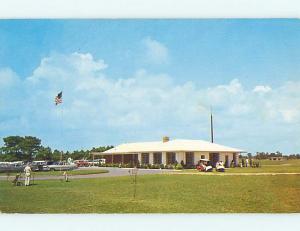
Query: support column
(151, 158)
(140, 158)
(164, 158)
(180, 156)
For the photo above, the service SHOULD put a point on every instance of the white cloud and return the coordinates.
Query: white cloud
(156, 52)
(11, 94)
(262, 89)
(8, 79)
(101, 110)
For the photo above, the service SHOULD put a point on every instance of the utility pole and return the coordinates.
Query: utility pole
(61, 154)
(211, 126)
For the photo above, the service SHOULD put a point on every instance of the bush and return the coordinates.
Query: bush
(189, 166)
(170, 166)
(182, 163)
(142, 166)
(157, 166)
(138, 164)
(179, 167)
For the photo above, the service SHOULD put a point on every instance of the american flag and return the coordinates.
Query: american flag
(58, 98)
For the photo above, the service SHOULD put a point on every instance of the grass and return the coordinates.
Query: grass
(267, 166)
(57, 173)
(156, 194)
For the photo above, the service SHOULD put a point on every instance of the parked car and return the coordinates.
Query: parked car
(17, 166)
(61, 166)
(40, 165)
(102, 161)
(82, 163)
(96, 162)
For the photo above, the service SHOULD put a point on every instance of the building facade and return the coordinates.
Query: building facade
(188, 152)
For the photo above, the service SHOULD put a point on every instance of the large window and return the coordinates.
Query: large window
(189, 158)
(214, 158)
(171, 157)
(157, 158)
(145, 158)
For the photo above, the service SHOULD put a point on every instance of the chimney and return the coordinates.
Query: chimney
(165, 139)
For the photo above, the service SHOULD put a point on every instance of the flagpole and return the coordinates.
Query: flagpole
(58, 100)
(61, 135)
(61, 131)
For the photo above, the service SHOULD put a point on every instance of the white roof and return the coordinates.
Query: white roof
(171, 146)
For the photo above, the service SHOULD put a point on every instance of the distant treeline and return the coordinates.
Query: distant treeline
(268, 155)
(29, 148)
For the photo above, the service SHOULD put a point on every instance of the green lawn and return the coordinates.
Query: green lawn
(156, 194)
(57, 173)
(267, 166)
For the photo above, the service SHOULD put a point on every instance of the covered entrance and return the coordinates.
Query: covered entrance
(214, 158)
(130, 158)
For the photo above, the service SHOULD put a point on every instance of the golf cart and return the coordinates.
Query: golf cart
(204, 166)
(220, 166)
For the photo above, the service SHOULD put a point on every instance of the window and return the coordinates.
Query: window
(189, 158)
(171, 157)
(145, 158)
(157, 158)
(202, 156)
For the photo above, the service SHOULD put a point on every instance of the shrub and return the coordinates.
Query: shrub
(182, 163)
(155, 166)
(179, 166)
(138, 165)
(170, 166)
(144, 166)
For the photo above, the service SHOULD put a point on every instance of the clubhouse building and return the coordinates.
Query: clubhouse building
(169, 151)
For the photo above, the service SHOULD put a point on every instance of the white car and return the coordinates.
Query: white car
(62, 167)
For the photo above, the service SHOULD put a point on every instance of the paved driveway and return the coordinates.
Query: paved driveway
(112, 173)
(126, 172)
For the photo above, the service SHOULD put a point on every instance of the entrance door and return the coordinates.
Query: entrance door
(214, 158)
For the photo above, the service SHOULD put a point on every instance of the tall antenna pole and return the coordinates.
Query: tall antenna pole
(211, 126)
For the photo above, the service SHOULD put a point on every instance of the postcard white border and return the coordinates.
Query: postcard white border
(150, 9)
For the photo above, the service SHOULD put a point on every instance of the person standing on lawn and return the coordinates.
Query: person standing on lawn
(27, 171)
(247, 162)
(66, 176)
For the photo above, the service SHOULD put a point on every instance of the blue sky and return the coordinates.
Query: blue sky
(137, 80)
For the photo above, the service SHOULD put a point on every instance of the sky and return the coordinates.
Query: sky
(138, 80)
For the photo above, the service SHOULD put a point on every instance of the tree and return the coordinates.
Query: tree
(44, 154)
(30, 146)
(249, 155)
(101, 149)
(21, 148)
(56, 155)
(12, 147)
